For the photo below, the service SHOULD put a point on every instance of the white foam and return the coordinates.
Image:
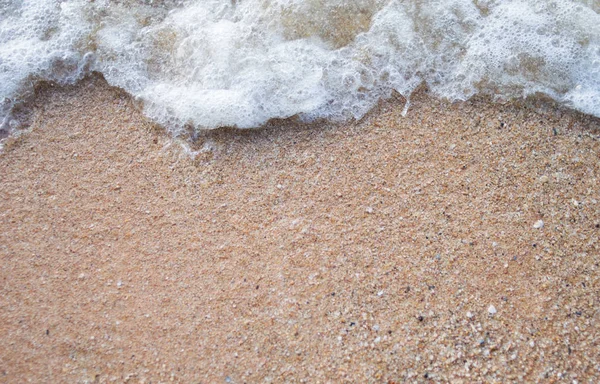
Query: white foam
(213, 63)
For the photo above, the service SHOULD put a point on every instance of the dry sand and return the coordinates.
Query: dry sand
(369, 252)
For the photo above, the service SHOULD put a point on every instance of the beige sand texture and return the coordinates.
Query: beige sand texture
(367, 252)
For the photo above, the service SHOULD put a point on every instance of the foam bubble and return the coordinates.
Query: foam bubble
(213, 63)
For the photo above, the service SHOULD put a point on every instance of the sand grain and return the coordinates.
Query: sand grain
(370, 252)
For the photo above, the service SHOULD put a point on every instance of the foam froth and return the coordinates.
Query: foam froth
(213, 63)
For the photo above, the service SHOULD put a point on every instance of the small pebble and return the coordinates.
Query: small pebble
(492, 310)
(538, 224)
(470, 315)
(544, 179)
(369, 210)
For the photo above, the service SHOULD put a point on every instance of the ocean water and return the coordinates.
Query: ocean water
(214, 63)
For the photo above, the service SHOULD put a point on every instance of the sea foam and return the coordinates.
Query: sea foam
(214, 63)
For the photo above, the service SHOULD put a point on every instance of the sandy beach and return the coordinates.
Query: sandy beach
(460, 243)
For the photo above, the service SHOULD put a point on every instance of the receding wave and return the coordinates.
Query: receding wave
(213, 63)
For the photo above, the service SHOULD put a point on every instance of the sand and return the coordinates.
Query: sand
(389, 250)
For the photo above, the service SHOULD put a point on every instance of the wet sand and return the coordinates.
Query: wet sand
(389, 250)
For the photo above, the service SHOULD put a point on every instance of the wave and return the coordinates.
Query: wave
(239, 63)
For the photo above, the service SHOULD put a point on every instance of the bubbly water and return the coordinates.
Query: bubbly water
(213, 63)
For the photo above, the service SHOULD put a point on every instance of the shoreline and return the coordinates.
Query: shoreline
(362, 252)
